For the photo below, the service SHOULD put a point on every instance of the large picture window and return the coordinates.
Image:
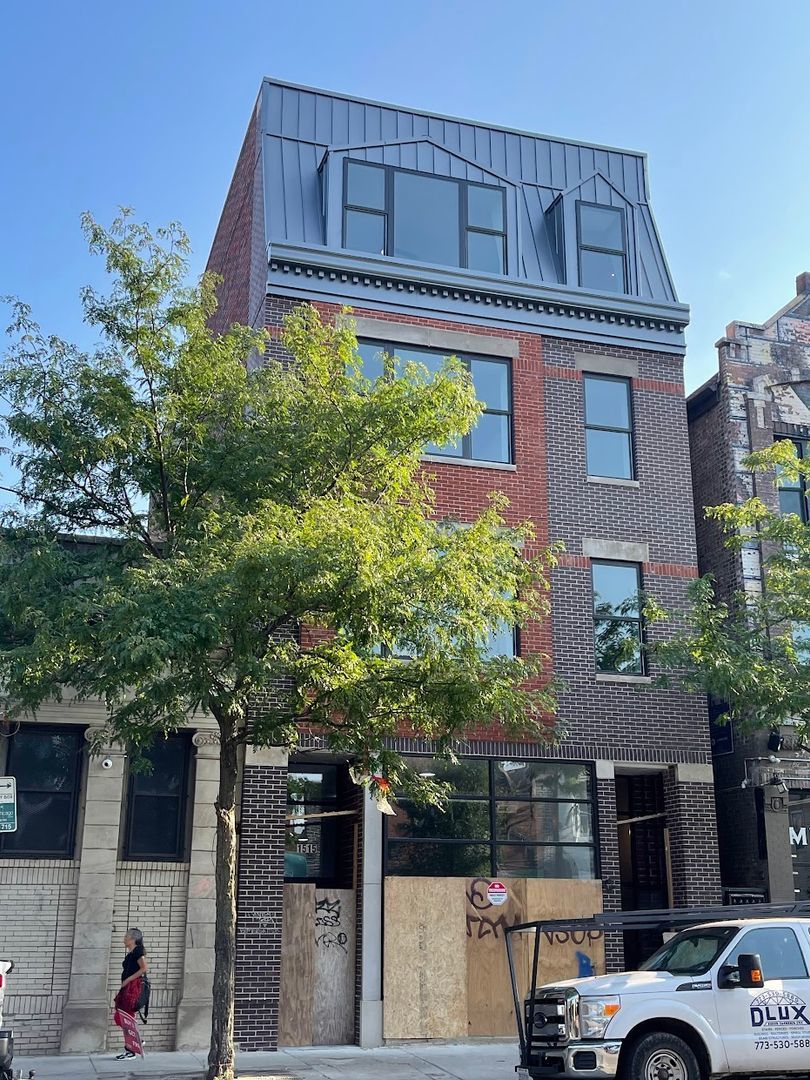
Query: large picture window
(507, 818)
(602, 240)
(47, 765)
(424, 218)
(618, 626)
(491, 438)
(155, 826)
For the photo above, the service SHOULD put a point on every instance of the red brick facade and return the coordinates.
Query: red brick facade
(612, 723)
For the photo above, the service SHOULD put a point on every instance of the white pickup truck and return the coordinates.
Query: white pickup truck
(720, 999)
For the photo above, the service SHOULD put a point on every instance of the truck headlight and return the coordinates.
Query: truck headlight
(595, 1013)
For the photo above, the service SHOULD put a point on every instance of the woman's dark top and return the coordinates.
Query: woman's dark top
(130, 965)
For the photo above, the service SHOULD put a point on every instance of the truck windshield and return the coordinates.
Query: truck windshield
(692, 952)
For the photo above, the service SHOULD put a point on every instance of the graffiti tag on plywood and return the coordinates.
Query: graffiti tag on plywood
(328, 914)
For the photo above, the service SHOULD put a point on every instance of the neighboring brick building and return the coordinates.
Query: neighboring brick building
(761, 393)
(537, 261)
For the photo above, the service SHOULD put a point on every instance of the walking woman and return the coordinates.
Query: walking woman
(134, 969)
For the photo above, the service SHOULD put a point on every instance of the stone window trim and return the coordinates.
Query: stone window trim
(429, 337)
(607, 365)
(616, 550)
(473, 463)
(611, 677)
(613, 481)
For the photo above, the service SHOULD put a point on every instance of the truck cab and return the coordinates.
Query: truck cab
(724, 998)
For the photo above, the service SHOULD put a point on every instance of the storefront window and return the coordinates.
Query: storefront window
(513, 818)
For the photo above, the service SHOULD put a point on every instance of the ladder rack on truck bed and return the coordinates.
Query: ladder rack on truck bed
(620, 921)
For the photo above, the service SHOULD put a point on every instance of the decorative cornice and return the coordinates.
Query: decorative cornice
(460, 285)
(102, 739)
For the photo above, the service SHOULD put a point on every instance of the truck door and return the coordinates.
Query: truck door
(767, 1029)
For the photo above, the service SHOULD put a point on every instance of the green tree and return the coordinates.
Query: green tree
(266, 529)
(750, 650)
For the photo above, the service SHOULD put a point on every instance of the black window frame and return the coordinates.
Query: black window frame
(638, 619)
(180, 852)
(492, 798)
(46, 729)
(802, 447)
(387, 213)
(391, 348)
(581, 246)
(321, 881)
(629, 431)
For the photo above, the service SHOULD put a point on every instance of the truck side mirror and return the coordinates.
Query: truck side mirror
(750, 965)
(728, 977)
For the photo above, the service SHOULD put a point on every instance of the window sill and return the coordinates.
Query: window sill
(502, 466)
(613, 481)
(609, 677)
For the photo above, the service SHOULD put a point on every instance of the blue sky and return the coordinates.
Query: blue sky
(145, 104)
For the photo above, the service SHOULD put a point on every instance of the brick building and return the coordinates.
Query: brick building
(760, 393)
(537, 261)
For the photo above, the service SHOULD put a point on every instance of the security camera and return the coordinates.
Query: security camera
(744, 784)
(107, 763)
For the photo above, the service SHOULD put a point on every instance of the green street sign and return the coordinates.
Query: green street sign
(8, 804)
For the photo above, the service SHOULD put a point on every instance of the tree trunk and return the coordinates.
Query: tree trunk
(221, 1054)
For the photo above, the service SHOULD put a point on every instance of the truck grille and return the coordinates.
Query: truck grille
(548, 1017)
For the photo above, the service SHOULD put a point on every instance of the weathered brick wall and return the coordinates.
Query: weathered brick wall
(238, 251)
(152, 897)
(712, 484)
(260, 903)
(37, 912)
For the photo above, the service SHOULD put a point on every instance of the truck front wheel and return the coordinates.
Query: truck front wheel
(660, 1056)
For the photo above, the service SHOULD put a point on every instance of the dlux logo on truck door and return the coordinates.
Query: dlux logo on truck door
(776, 1010)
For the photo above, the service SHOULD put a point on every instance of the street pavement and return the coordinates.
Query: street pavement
(482, 1060)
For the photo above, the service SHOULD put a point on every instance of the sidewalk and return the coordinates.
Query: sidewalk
(418, 1061)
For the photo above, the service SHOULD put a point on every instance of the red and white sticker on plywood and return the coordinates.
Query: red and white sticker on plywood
(496, 893)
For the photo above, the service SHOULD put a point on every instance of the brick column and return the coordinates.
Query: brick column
(692, 824)
(609, 858)
(194, 1009)
(260, 897)
(87, 1010)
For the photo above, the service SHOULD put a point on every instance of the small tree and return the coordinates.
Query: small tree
(268, 528)
(752, 650)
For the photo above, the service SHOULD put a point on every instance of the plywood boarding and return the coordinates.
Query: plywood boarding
(489, 997)
(425, 971)
(446, 975)
(297, 995)
(560, 953)
(335, 944)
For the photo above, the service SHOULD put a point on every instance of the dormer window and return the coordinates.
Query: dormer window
(602, 241)
(424, 218)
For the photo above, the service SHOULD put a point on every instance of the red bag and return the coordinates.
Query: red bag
(132, 1038)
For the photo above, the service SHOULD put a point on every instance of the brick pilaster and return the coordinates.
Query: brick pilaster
(609, 860)
(260, 898)
(692, 824)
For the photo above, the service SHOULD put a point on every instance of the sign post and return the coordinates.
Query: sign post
(8, 804)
